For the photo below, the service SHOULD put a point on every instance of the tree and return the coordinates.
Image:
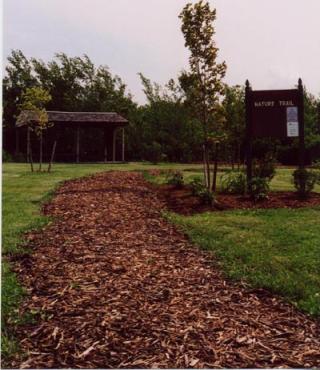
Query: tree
(312, 124)
(34, 100)
(288, 151)
(234, 108)
(18, 77)
(166, 120)
(203, 85)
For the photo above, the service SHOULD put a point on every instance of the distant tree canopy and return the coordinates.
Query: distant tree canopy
(164, 128)
(74, 84)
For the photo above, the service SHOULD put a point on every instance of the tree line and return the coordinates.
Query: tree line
(191, 118)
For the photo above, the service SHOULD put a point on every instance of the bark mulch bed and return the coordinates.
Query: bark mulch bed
(114, 285)
(182, 201)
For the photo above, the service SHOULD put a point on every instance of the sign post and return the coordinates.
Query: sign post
(248, 140)
(301, 126)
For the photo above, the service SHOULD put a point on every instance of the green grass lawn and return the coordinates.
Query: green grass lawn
(278, 249)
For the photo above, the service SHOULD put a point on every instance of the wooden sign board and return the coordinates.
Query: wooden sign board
(274, 113)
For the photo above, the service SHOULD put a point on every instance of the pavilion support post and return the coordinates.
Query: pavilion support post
(105, 148)
(105, 153)
(17, 141)
(78, 145)
(41, 151)
(28, 143)
(122, 156)
(114, 136)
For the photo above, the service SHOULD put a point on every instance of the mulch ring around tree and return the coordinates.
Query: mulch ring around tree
(112, 284)
(183, 202)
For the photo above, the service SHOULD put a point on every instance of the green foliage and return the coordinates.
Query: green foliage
(205, 83)
(174, 115)
(19, 157)
(175, 178)
(316, 165)
(259, 188)
(153, 152)
(11, 294)
(199, 189)
(206, 195)
(234, 182)
(35, 99)
(196, 185)
(6, 157)
(234, 127)
(312, 131)
(166, 120)
(304, 181)
(264, 168)
(74, 84)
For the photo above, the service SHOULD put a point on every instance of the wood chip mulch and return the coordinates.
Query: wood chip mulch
(114, 285)
(182, 201)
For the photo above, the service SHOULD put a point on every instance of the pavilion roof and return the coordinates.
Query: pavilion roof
(111, 118)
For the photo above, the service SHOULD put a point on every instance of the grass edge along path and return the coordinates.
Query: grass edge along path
(275, 249)
(21, 212)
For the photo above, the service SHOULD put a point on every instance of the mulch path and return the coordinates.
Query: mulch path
(182, 201)
(114, 285)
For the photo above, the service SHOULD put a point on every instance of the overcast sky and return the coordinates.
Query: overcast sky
(270, 42)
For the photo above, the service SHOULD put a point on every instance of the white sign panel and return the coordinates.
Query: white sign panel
(292, 122)
(292, 129)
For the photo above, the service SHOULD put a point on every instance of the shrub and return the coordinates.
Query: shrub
(19, 158)
(206, 196)
(264, 168)
(6, 157)
(316, 165)
(304, 181)
(175, 178)
(154, 152)
(234, 182)
(259, 188)
(200, 190)
(196, 185)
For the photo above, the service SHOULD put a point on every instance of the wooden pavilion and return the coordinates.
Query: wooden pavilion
(109, 123)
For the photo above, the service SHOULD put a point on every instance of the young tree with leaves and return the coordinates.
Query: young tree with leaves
(34, 100)
(204, 84)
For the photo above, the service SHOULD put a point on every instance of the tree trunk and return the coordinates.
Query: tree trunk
(41, 152)
(122, 156)
(52, 155)
(238, 154)
(232, 160)
(28, 143)
(207, 167)
(30, 158)
(204, 167)
(215, 168)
